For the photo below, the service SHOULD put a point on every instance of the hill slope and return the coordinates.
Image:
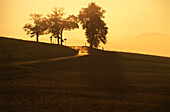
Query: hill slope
(101, 82)
(20, 50)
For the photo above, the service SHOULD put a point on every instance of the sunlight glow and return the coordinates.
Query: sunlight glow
(126, 19)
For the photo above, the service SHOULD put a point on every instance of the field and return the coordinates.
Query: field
(12, 50)
(103, 81)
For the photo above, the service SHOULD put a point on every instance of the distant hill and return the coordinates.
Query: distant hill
(21, 50)
(148, 43)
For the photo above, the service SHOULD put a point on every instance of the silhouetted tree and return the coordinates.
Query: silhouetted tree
(38, 28)
(54, 21)
(70, 23)
(57, 23)
(95, 28)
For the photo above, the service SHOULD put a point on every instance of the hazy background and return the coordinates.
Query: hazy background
(141, 26)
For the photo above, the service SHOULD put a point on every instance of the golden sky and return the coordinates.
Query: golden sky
(127, 20)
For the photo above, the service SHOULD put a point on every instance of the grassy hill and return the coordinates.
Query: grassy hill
(100, 82)
(12, 50)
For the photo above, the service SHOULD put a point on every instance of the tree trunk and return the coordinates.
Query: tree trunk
(91, 45)
(58, 40)
(92, 41)
(37, 36)
(61, 36)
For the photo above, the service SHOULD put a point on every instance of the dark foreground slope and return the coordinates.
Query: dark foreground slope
(100, 82)
(12, 50)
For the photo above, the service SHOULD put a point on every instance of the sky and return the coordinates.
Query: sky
(141, 26)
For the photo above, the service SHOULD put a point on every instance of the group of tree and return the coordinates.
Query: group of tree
(55, 23)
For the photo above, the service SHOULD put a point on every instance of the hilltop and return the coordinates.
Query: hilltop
(12, 50)
(101, 81)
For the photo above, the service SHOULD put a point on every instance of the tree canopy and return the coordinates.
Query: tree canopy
(57, 23)
(95, 28)
(54, 24)
(38, 27)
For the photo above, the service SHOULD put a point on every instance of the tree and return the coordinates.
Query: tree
(54, 21)
(57, 23)
(70, 23)
(38, 28)
(95, 28)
